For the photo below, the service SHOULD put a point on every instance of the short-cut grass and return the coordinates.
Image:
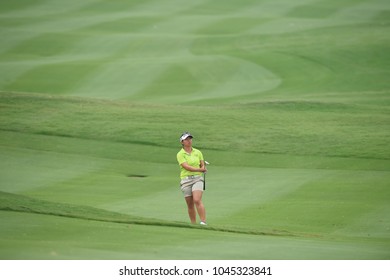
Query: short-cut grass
(288, 101)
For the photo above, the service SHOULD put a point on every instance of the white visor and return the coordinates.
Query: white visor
(185, 136)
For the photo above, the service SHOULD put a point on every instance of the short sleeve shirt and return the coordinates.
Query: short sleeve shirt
(193, 159)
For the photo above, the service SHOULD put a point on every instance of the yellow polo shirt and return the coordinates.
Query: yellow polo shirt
(193, 159)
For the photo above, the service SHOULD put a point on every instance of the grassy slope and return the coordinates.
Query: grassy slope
(257, 192)
(297, 139)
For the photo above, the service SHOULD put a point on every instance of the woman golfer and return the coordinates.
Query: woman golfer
(192, 166)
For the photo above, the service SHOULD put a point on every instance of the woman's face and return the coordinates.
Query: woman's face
(187, 141)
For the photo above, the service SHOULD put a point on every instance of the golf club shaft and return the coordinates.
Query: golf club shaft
(204, 176)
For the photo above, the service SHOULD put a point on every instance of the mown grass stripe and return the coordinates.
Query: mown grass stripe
(21, 203)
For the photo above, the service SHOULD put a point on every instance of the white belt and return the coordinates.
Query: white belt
(192, 177)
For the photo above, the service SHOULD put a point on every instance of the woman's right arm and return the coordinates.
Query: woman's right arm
(188, 167)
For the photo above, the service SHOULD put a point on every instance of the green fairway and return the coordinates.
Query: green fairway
(288, 101)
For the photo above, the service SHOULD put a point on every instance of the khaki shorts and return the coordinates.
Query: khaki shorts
(190, 184)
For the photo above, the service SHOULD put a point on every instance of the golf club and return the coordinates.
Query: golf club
(204, 176)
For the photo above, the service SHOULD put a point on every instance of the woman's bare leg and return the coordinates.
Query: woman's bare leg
(191, 209)
(197, 200)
